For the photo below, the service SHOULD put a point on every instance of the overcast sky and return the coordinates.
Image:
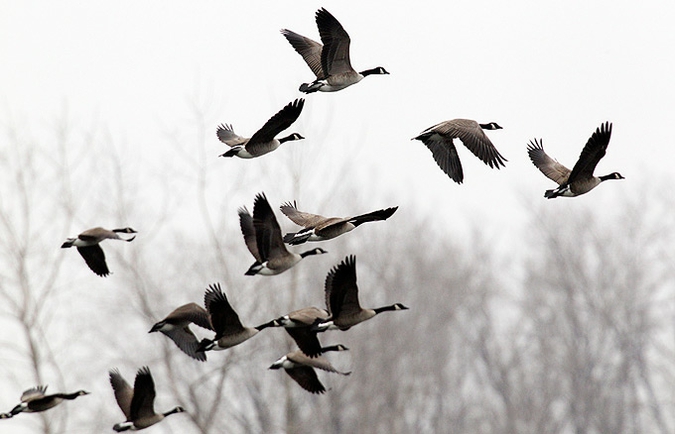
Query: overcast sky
(550, 70)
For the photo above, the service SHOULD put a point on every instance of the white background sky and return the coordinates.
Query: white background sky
(551, 70)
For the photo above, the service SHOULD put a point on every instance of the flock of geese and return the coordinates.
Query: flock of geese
(330, 63)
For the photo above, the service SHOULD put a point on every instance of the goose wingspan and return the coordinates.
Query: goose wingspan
(95, 258)
(342, 293)
(260, 141)
(593, 151)
(300, 218)
(551, 168)
(474, 138)
(227, 135)
(268, 233)
(307, 379)
(123, 392)
(309, 49)
(445, 155)
(142, 403)
(248, 231)
(336, 41)
(186, 340)
(223, 317)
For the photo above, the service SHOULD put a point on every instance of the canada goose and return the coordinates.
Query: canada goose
(34, 400)
(176, 326)
(319, 228)
(137, 404)
(263, 141)
(87, 244)
(300, 368)
(262, 236)
(580, 179)
(225, 321)
(330, 61)
(439, 140)
(298, 324)
(342, 298)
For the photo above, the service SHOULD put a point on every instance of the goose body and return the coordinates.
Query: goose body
(300, 368)
(319, 228)
(580, 179)
(87, 244)
(35, 400)
(137, 404)
(342, 299)
(225, 321)
(263, 239)
(264, 140)
(298, 325)
(440, 141)
(176, 326)
(329, 62)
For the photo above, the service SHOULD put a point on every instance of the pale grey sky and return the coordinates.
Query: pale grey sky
(548, 70)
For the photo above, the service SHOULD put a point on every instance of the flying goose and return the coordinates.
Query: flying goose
(319, 228)
(342, 299)
(35, 400)
(300, 368)
(439, 140)
(87, 244)
(176, 326)
(263, 141)
(580, 179)
(262, 236)
(329, 62)
(298, 325)
(137, 404)
(225, 321)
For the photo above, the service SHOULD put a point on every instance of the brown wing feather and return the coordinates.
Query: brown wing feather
(307, 379)
(593, 151)
(123, 392)
(283, 119)
(342, 293)
(248, 231)
(223, 317)
(336, 41)
(268, 233)
(301, 218)
(547, 165)
(445, 154)
(143, 401)
(95, 259)
(309, 49)
(474, 138)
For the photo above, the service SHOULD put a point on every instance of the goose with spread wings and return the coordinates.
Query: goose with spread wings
(320, 228)
(264, 140)
(88, 245)
(580, 179)
(263, 239)
(329, 62)
(440, 141)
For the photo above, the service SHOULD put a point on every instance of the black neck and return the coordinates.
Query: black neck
(172, 411)
(385, 308)
(287, 138)
(309, 253)
(267, 324)
(607, 177)
(370, 72)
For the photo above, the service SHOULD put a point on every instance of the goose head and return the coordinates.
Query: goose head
(491, 126)
(317, 251)
(125, 231)
(379, 71)
(613, 175)
(290, 138)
